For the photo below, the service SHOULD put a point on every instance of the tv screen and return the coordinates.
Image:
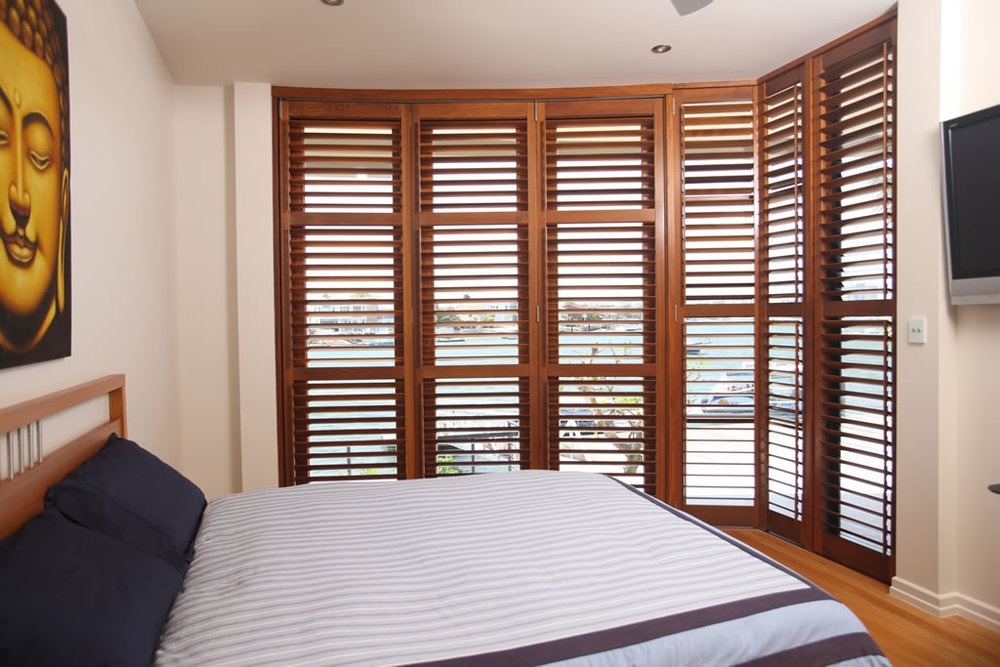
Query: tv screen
(972, 205)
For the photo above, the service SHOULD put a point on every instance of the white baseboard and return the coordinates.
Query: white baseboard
(949, 604)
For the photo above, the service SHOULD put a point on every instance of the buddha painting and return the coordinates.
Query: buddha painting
(34, 182)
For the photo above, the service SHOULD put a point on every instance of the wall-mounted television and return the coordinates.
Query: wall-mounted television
(972, 205)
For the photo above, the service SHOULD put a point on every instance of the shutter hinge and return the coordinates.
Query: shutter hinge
(675, 313)
(281, 110)
(538, 313)
(673, 103)
(536, 111)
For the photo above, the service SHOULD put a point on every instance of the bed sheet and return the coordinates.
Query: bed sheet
(529, 567)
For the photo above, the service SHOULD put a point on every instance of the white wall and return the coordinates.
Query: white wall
(252, 199)
(204, 246)
(121, 197)
(978, 354)
(925, 425)
(225, 285)
(948, 429)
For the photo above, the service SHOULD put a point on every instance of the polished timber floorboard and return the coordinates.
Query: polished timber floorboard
(907, 635)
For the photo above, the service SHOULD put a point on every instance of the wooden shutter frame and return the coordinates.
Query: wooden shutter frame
(807, 69)
(797, 308)
(649, 215)
(685, 310)
(429, 374)
(879, 566)
(287, 112)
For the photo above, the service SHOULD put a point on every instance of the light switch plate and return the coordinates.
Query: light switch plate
(916, 330)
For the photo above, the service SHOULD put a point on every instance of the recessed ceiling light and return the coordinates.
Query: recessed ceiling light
(659, 48)
(332, 3)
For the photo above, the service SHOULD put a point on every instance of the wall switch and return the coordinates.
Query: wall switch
(916, 330)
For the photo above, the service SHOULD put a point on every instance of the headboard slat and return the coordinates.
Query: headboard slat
(23, 496)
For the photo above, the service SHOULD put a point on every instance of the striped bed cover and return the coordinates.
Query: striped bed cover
(520, 568)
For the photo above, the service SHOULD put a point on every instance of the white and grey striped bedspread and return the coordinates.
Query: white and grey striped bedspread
(529, 567)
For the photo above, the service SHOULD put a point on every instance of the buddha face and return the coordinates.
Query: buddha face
(34, 191)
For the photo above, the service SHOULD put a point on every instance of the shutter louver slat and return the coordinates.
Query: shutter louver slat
(599, 164)
(857, 179)
(349, 429)
(785, 432)
(475, 425)
(835, 154)
(718, 221)
(346, 307)
(468, 166)
(857, 430)
(782, 208)
(719, 412)
(605, 425)
(599, 304)
(343, 166)
(474, 288)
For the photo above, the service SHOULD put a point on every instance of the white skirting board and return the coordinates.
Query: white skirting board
(948, 604)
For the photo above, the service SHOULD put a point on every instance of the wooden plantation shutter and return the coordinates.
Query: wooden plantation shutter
(783, 287)
(482, 286)
(717, 311)
(602, 219)
(473, 223)
(342, 238)
(856, 265)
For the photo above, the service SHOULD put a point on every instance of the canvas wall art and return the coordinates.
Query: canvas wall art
(34, 183)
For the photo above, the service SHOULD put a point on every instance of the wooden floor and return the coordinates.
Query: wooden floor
(907, 635)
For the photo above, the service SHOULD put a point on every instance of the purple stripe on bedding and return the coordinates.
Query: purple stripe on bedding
(636, 633)
(824, 652)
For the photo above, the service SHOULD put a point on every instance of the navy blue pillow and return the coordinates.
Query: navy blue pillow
(129, 494)
(72, 596)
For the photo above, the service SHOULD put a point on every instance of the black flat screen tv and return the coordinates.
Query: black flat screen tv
(971, 164)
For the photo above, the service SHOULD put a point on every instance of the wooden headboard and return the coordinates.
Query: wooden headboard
(23, 494)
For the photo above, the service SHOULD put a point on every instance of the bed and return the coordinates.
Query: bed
(522, 568)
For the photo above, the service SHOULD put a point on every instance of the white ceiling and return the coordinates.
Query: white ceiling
(488, 44)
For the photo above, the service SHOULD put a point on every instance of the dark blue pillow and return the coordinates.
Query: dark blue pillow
(72, 596)
(127, 493)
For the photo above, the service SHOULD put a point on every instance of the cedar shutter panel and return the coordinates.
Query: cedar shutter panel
(782, 259)
(718, 272)
(718, 196)
(785, 433)
(601, 288)
(343, 306)
(783, 195)
(474, 289)
(719, 435)
(857, 301)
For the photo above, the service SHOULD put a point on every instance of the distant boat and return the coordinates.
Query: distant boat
(695, 347)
